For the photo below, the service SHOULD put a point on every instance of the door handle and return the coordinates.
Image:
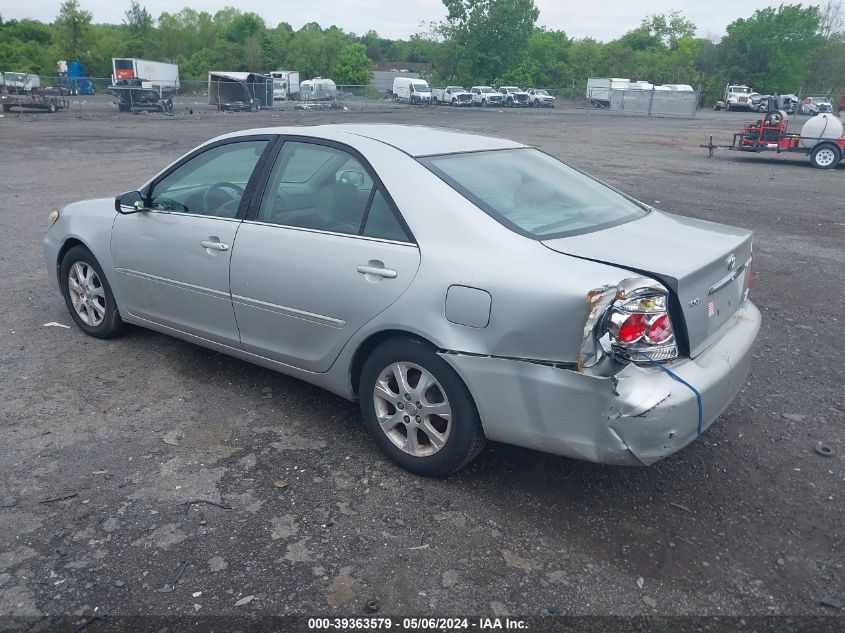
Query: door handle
(379, 271)
(217, 246)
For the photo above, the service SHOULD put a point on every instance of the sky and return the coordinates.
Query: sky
(605, 20)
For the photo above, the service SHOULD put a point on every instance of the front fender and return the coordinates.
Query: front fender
(89, 223)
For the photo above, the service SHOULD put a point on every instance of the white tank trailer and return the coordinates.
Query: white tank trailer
(820, 128)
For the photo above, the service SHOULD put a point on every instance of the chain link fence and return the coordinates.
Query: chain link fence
(100, 96)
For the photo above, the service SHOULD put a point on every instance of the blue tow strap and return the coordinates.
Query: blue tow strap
(683, 382)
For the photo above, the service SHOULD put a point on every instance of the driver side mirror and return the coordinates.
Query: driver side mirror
(130, 202)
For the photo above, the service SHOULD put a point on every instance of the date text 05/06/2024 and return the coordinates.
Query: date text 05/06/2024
(418, 624)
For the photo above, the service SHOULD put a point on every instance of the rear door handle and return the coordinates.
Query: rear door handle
(217, 246)
(379, 271)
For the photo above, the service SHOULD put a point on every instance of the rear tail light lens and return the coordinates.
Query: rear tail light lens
(660, 330)
(640, 328)
(749, 267)
(632, 328)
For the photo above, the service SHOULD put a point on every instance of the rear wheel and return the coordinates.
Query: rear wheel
(825, 156)
(418, 410)
(87, 294)
(52, 107)
(7, 107)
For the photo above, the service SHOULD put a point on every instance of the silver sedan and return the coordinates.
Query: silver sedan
(459, 287)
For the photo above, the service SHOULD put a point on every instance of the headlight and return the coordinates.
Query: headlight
(54, 215)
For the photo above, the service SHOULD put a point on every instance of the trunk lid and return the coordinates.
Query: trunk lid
(702, 263)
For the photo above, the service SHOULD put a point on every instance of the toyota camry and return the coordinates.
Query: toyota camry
(459, 287)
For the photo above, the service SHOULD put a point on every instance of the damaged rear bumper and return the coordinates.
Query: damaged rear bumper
(638, 416)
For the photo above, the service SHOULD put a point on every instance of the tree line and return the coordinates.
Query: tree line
(786, 49)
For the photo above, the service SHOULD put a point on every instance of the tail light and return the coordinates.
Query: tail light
(749, 266)
(640, 328)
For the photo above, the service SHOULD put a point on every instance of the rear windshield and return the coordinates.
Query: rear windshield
(533, 193)
(123, 64)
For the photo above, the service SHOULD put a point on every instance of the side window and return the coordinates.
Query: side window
(316, 187)
(211, 183)
(381, 221)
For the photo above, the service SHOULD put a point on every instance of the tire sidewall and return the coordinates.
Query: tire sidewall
(465, 431)
(111, 324)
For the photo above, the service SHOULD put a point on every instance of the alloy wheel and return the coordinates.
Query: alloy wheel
(86, 293)
(412, 409)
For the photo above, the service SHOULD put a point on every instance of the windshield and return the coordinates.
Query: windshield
(419, 87)
(541, 93)
(740, 89)
(456, 89)
(487, 89)
(533, 193)
(510, 89)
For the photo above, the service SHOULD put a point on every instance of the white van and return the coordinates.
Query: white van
(408, 90)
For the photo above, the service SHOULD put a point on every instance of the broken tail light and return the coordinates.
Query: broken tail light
(748, 278)
(640, 328)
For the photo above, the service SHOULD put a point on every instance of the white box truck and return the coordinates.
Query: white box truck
(159, 76)
(285, 85)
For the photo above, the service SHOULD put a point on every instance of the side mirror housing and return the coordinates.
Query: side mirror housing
(130, 202)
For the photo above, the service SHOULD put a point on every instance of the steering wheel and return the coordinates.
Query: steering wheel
(217, 200)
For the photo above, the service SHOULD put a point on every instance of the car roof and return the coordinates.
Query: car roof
(414, 140)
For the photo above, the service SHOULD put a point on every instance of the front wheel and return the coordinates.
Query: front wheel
(88, 296)
(418, 410)
(825, 156)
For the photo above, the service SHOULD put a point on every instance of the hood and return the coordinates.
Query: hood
(702, 263)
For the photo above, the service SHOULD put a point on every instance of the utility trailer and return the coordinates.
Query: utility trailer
(136, 99)
(240, 91)
(23, 92)
(821, 138)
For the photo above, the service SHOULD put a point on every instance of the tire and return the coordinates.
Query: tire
(122, 107)
(825, 156)
(484, 103)
(434, 101)
(52, 108)
(100, 304)
(461, 437)
(7, 107)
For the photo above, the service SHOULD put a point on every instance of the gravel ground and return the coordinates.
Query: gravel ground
(104, 444)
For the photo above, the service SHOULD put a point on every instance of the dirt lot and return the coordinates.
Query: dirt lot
(103, 443)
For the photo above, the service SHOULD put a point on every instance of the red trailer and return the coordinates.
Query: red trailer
(770, 134)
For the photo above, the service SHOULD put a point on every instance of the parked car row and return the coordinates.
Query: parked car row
(417, 91)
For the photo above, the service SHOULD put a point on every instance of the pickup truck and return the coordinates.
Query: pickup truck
(485, 95)
(514, 97)
(538, 98)
(452, 95)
